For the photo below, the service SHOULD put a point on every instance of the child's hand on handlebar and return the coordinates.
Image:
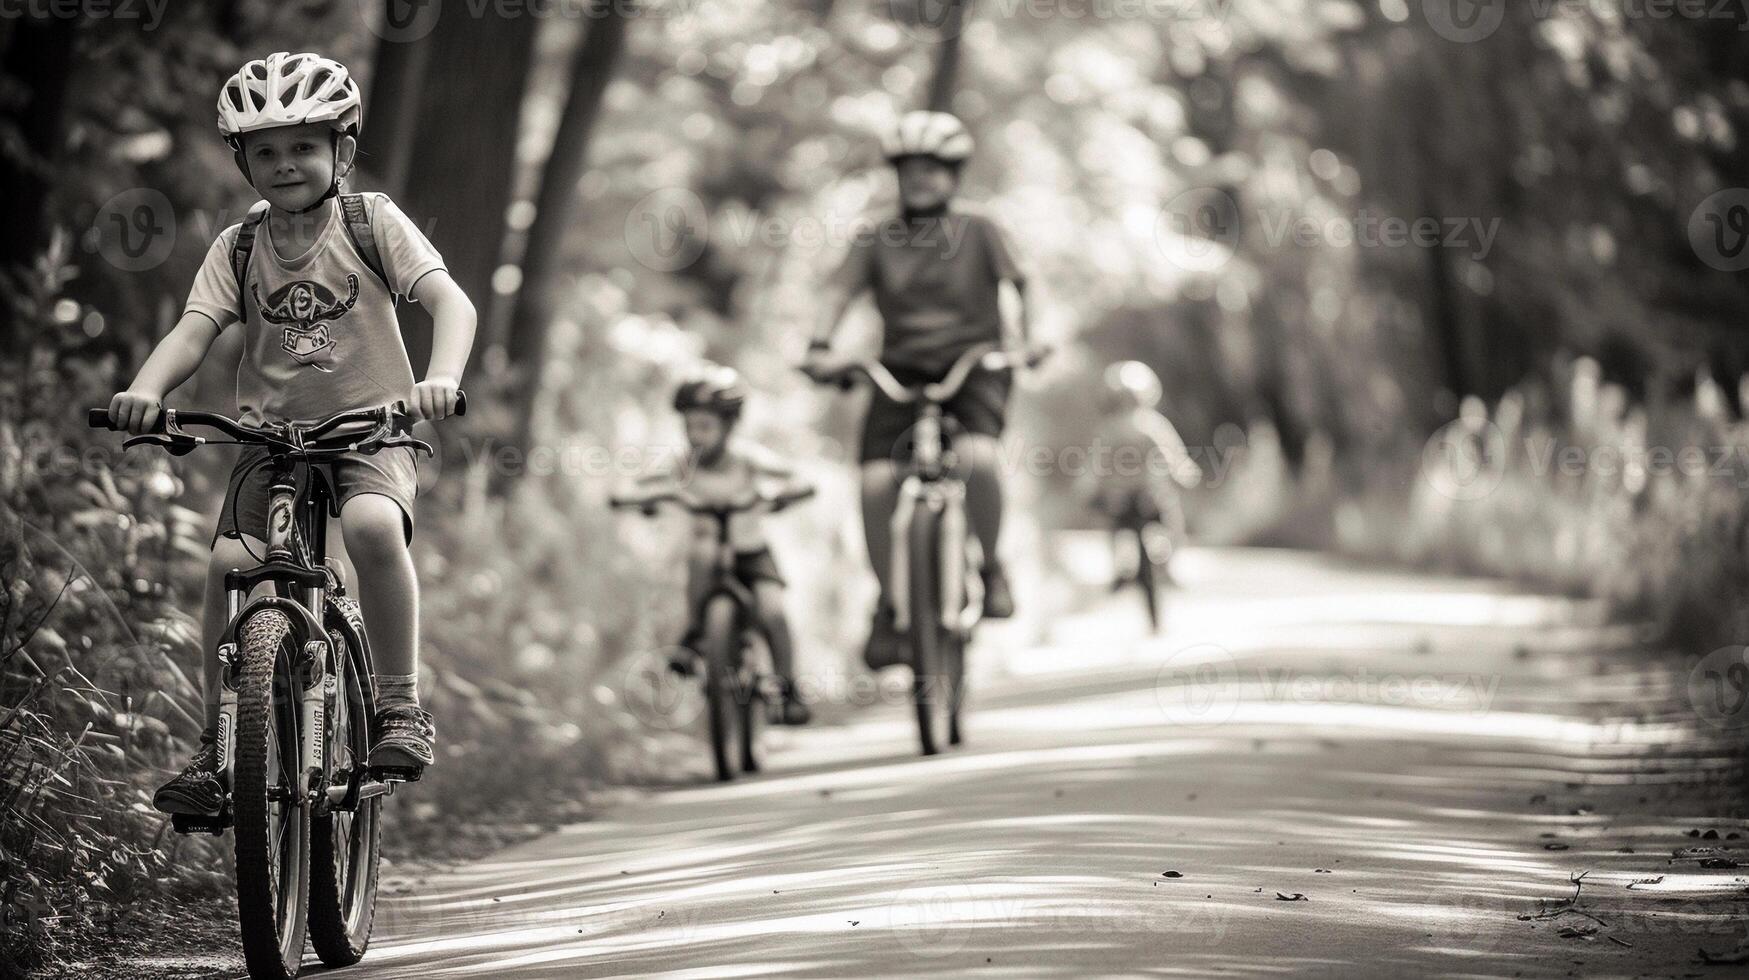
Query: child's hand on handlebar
(135, 412)
(435, 398)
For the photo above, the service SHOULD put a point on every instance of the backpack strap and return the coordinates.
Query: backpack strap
(240, 251)
(355, 214)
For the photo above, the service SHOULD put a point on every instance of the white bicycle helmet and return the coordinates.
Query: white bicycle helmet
(937, 135)
(1132, 384)
(286, 89)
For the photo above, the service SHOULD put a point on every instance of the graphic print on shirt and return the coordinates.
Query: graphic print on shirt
(304, 309)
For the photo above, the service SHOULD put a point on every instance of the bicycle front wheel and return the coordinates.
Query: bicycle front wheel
(345, 845)
(937, 656)
(720, 684)
(272, 816)
(1145, 578)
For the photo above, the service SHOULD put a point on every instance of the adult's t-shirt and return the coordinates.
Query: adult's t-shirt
(936, 284)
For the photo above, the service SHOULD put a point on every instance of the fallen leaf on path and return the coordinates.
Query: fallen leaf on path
(1171, 874)
(1321, 871)
(1577, 932)
(1295, 897)
(1554, 846)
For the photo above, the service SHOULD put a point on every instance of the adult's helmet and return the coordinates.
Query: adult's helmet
(285, 89)
(1132, 384)
(937, 135)
(718, 389)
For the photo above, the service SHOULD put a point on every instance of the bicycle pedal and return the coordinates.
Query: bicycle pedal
(397, 774)
(194, 823)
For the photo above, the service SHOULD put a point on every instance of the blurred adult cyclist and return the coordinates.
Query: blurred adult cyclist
(937, 271)
(1138, 463)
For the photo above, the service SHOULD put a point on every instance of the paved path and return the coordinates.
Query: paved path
(1424, 760)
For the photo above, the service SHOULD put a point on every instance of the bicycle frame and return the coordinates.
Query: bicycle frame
(296, 551)
(305, 589)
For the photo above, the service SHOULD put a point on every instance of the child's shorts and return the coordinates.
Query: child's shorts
(392, 472)
(980, 408)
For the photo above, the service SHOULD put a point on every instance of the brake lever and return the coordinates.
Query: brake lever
(417, 445)
(174, 445)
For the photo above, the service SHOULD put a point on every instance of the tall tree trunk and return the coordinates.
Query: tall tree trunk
(947, 57)
(38, 54)
(592, 68)
(462, 162)
(395, 84)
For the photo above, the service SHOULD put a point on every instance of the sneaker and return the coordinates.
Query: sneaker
(998, 601)
(404, 738)
(196, 791)
(885, 647)
(791, 710)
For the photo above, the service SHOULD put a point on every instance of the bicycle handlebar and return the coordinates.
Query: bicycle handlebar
(692, 504)
(989, 356)
(388, 421)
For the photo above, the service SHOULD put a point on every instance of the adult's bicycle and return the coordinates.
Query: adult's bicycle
(937, 566)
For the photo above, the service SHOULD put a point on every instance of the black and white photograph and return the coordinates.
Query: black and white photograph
(694, 489)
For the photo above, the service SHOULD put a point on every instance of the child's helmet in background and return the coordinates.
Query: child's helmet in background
(718, 389)
(1132, 384)
(288, 90)
(937, 135)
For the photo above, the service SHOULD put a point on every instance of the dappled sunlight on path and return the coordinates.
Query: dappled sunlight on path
(1416, 828)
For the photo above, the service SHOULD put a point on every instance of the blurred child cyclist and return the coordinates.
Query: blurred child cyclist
(1138, 464)
(309, 278)
(727, 470)
(937, 272)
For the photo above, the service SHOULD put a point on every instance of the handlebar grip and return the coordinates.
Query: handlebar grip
(98, 418)
(461, 405)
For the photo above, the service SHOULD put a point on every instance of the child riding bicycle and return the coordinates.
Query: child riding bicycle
(724, 469)
(1140, 460)
(310, 278)
(937, 272)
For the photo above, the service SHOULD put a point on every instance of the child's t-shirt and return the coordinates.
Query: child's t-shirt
(935, 282)
(744, 469)
(319, 331)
